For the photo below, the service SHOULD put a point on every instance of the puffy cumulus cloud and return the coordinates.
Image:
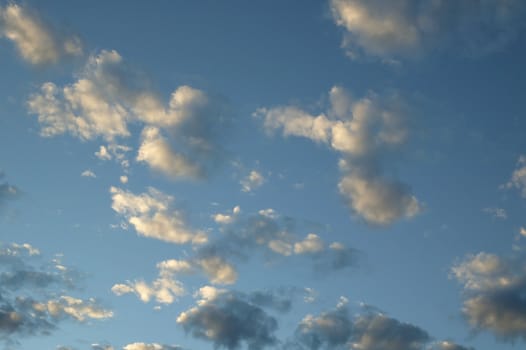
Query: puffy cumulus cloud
(252, 181)
(311, 244)
(32, 294)
(109, 94)
(362, 130)
(151, 216)
(494, 293)
(229, 320)
(405, 28)
(155, 150)
(518, 177)
(35, 40)
(151, 346)
(7, 192)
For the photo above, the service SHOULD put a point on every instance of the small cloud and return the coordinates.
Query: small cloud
(522, 231)
(518, 177)
(123, 179)
(88, 173)
(496, 213)
(252, 181)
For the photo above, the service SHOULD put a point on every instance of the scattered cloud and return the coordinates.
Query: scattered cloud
(229, 320)
(518, 177)
(37, 42)
(32, 295)
(252, 181)
(151, 216)
(362, 130)
(123, 179)
(410, 28)
(88, 173)
(494, 293)
(227, 218)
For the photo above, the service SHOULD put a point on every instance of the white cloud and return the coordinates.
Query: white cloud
(518, 177)
(151, 346)
(522, 231)
(88, 173)
(311, 244)
(35, 41)
(252, 181)
(123, 179)
(361, 130)
(103, 153)
(387, 28)
(151, 216)
(79, 309)
(228, 218)
(157, 153)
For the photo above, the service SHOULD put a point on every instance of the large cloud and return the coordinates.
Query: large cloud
(368, 330)
(402, 28)
(229, 320)
(32, 299)
(151, 216)
(362, 130)
(36, 41)
(494, 288)
(109, 94)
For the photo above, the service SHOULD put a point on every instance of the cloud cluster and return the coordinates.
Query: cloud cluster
(229, 320)
(252, 181)
(32, 299)
(406, 28)
(35, 40)
(152, 216)
(179, 138)
(494, 293)
(362, 130)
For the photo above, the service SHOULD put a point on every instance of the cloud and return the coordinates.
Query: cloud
(7, 192)
(494, 293)
(362, 131)
(180, 137)
(448, 345)
(155, 151)
(408, 28)
(252, 181)
(518, 177)
(229, 320)
(227, 218)
(496, 213)
(151, 216)
(166, 288)
(311, 244)
(88, 173)
(33, 299)
(151, 346)
(35, 40)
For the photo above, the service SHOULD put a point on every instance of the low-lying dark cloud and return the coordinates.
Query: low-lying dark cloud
(229, 320)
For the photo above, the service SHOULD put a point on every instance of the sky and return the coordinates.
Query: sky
(293, 175)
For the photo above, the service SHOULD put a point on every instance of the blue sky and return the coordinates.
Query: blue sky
(340, 174)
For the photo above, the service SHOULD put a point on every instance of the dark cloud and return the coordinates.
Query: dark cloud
(494, 294)
(331, 330)
(380, 332)
(229, 320)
